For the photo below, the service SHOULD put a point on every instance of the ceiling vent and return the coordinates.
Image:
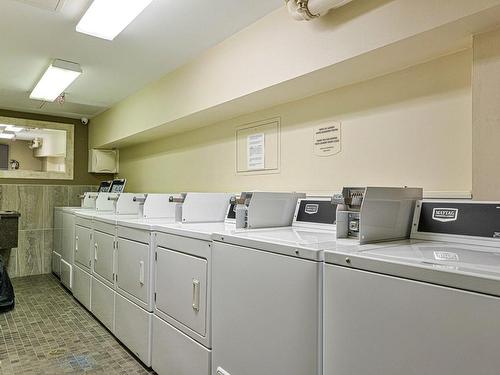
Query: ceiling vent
(52, 5)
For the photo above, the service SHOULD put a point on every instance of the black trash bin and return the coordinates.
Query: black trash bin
(7, 297)
(9, 224)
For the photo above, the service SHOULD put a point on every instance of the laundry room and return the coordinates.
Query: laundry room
(289, 187)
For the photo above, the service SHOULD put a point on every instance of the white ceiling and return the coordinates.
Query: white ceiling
(166, 35)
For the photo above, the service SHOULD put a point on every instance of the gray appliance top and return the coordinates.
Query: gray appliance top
(200, 231)
(312, 231)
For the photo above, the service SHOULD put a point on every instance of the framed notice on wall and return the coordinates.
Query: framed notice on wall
(327, 139)
(258, 147)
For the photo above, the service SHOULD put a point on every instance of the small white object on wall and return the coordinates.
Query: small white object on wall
(327, 139)
(103, 161)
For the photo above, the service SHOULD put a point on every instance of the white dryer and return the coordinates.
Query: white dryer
(135, 261)
(427, 306)
(182, 322)
(182, 313)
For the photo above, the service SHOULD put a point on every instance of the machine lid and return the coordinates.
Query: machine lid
(306, 243)
(144, 224)
(450, 255)
(108, 218)
(201, 231)
(462, 266)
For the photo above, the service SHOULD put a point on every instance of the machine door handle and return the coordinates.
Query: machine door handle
(76, 243)
(221, 371)
(95, 251)
(141, 272)
(196, 295)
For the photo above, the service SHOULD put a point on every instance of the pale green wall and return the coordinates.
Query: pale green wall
(411, 127)
(276, 50)
(486, 115)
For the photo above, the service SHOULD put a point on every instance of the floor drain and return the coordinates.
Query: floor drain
(78, 362)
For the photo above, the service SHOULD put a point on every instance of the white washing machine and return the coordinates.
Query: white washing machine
(428, 306)
(182, 340)
(135, 261)
(80, 224)
(65, 228)
(267, 295)
(95, 244)
(267, 298)
(65, 219)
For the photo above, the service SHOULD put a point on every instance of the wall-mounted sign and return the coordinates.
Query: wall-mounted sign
(327, 139)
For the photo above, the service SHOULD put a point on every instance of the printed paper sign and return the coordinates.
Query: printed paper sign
(256, 151)
(327, 139)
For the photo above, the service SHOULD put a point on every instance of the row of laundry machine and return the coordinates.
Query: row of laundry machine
(282, 283)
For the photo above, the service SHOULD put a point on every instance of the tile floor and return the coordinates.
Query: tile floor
(50, 333)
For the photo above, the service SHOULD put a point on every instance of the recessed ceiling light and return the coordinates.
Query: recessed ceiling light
(6, 136)
(107, 18)
(58, 76)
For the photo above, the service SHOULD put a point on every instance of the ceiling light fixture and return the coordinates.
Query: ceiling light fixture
(6, 136)
(12, 128)
(58, 76)
(107, 18)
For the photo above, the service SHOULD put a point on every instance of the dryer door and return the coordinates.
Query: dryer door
(83, 237)
(133, 271)
(103, 253)
(181, 288)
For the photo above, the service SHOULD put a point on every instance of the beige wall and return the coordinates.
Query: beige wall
(277, 49)
(411, 127)
(81, 176)
(20, 151)
(486, 116)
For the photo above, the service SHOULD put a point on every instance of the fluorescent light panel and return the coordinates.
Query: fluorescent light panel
(12, 128)
(107, 18)
(58, 76)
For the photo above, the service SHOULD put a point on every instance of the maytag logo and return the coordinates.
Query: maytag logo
(311, 209)
(445, 215)
(446, 256)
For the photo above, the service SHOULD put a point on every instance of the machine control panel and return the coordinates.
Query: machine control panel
(117, 186)
(352, 197)
(315, 211)
(477, 219)
(104, 187)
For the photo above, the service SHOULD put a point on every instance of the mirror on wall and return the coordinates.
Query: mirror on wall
(36, 149)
